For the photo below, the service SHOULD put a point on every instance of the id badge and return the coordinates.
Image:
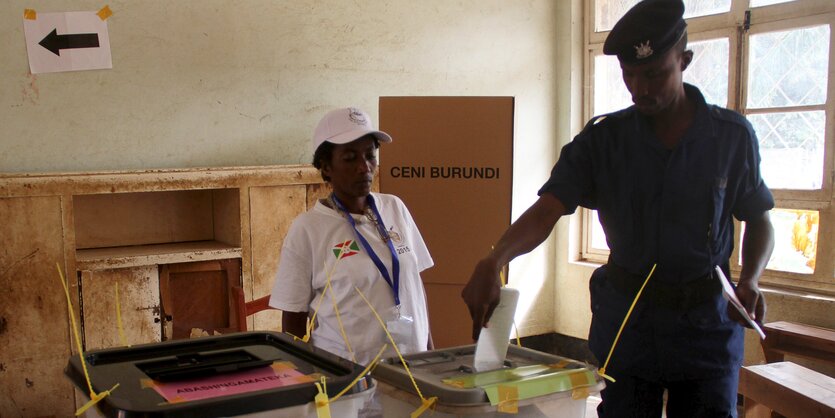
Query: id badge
(401, 328)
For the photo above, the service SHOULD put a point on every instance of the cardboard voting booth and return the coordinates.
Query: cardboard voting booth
(451, 162)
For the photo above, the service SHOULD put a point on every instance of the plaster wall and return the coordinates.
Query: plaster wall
(220, 83)
(216, 83)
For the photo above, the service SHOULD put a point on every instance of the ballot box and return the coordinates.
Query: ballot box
(531, 384)
(242, 374)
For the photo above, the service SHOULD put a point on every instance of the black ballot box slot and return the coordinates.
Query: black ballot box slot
(196, 365)
(267, 346)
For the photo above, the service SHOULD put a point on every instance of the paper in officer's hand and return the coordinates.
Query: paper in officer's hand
(491, 348)
(729, 294)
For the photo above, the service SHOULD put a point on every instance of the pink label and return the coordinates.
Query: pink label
(269, 377)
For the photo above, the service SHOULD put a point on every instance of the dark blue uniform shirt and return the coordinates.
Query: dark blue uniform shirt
(670, 208)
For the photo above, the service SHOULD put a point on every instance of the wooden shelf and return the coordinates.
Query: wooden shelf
(40, 184)
(145, 255)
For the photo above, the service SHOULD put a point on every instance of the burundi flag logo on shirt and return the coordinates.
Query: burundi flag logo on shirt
(346, 249)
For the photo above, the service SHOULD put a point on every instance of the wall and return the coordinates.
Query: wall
(220, 83)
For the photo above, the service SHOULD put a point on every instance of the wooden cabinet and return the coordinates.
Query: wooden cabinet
(133, 229)
(34, 325)
(138, 306)
(174, 241)
(198, 296)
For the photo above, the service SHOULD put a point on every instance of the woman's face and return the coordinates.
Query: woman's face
(352, 167)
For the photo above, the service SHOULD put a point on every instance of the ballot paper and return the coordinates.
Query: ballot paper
(730, 295)
(491, 348)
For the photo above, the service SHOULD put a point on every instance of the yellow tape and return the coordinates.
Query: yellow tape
(147, 383)
(602, 373)
(425, 405)
(283, 365)
(518, 341)
(30, 14)
(580, 393)
(94, 397)
(312, 319)
(104, 13)
(341, 327)
(602, 370)
(75, 331)
(307, 378)
(578, 378)
(367, 370)
(559, 365)
(393, 343)
(323, 409)
(508, 399)
(454, 383)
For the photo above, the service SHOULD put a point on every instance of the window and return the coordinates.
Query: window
(769, 60)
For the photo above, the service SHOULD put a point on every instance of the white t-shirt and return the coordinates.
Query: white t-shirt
(309, 255)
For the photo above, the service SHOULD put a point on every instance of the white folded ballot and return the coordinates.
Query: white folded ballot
(730, 295)
(491, 349)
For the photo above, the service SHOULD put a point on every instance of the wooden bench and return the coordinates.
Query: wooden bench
(786, 388)
(798, 339)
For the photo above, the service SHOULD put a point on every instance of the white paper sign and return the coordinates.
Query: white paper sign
(67, 41)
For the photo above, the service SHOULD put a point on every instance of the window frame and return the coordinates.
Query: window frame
(785, 16)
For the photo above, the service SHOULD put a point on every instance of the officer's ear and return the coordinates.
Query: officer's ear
(686, 59)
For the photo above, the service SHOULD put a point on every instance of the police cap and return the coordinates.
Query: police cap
(646, 31)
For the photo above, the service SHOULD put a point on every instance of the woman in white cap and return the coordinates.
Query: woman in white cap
(354, 239)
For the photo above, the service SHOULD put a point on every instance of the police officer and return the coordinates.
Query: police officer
(667, 176)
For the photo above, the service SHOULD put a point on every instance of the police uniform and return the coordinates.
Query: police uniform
(672, 208)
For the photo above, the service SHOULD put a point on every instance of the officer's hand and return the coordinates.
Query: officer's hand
(753, 301)
(482, 294)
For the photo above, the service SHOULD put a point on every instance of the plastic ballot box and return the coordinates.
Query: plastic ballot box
(530, 384)
(243, 374)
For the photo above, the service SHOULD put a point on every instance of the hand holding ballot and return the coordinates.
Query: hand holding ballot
(482, 294)
(743, 315)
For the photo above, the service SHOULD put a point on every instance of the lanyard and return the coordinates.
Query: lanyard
(395, 263)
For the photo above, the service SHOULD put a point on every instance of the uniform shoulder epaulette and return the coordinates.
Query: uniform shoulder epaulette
(602, 121)
(727, 115)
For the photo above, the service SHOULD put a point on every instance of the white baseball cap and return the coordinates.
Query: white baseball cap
(344, 125)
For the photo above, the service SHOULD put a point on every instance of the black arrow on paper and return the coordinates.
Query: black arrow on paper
(55, 42)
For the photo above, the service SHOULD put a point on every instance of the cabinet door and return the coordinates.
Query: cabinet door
(198, 296)
(138, 306)
(34, 326)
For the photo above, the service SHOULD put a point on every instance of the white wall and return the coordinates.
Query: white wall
(234, 83)
(229, 83)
